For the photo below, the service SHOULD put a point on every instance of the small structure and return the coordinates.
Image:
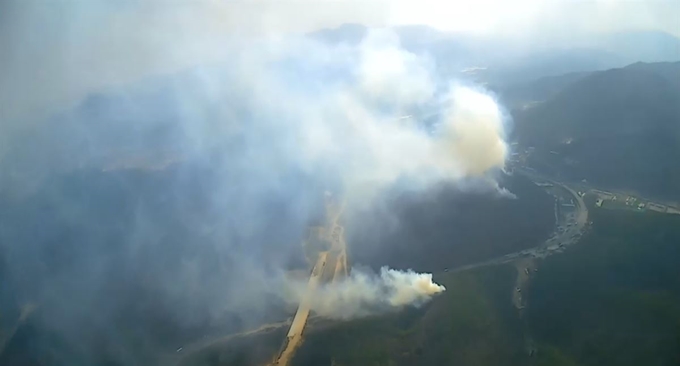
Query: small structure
(672, 210)
(657, 207)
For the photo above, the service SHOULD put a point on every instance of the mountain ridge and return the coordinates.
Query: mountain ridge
(619, 128)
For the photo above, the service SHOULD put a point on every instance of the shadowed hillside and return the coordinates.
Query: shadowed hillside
(614, 299)
(446, 228)
(617, 128)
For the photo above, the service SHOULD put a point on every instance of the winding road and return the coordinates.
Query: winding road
(553, 244)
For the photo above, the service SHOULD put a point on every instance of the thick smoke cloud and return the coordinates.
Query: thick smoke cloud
(364, 294)
(230, 158)
(365, 126)
(349, 115)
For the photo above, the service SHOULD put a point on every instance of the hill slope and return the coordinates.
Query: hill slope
(613, 299)
(446, 227)
(619, 128)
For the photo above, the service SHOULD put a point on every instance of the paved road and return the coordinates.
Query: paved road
(553, 244)
(523, 266)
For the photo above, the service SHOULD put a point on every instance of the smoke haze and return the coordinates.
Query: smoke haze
(229, 161)
(161, 164)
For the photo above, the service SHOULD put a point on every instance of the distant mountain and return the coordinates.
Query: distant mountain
(619, 127)
(506, 62)
(645, 46)
(347, 33)
(524, 94)
(551, 62)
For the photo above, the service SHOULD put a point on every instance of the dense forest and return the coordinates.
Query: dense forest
(471, 323)
(615, 298)
(451, 226)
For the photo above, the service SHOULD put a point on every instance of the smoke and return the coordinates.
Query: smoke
(178, 193)
(475, 132)
(160, 163)
(364, 293)
(367, 127)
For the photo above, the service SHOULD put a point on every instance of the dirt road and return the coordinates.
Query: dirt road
(294, 336)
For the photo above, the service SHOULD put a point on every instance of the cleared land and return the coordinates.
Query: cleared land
(294, 336)
(331, 265)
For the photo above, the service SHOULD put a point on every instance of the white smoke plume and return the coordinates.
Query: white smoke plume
(361, 117)
(364, 293)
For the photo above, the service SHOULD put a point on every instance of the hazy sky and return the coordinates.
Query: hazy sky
(56, 51)
(531, 17)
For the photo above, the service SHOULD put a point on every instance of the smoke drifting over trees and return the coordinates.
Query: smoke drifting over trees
(230, 157)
